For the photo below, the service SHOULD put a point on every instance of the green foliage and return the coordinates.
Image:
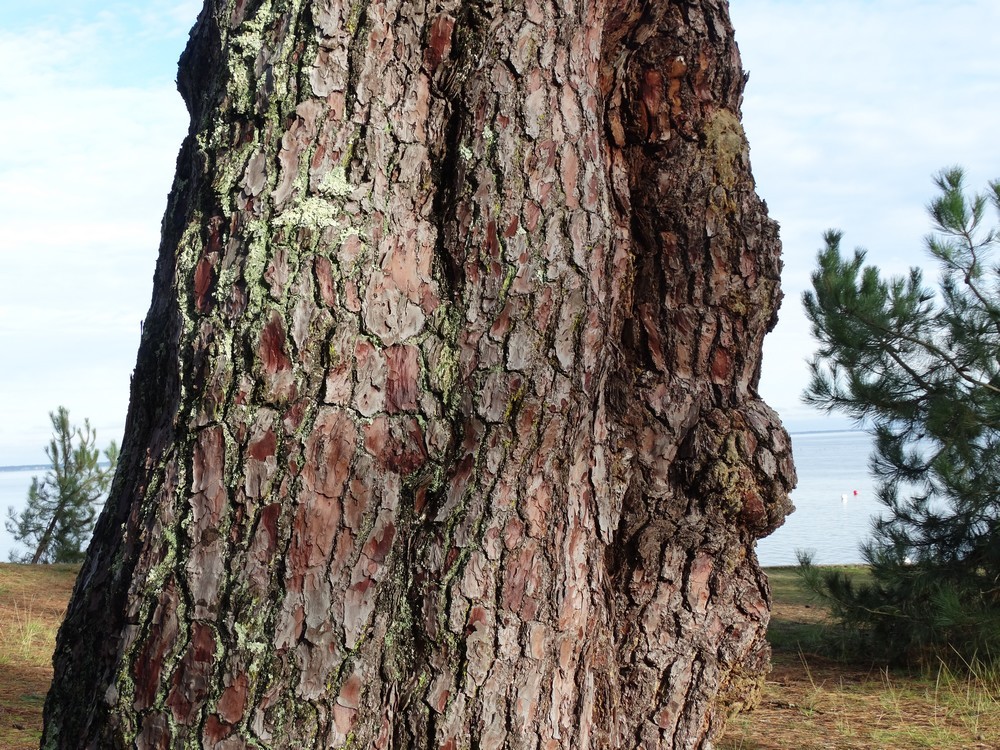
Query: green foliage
(919, 369)
(62, 506)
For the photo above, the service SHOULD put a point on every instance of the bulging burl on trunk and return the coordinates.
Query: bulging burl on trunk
(444, 431)
(740, 463)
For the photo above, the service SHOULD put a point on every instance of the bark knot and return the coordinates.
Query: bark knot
(740, 462)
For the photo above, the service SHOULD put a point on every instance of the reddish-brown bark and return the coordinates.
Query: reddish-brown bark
(444, 430)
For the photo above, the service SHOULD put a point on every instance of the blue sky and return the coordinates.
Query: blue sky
(91, 124)
(851, 106)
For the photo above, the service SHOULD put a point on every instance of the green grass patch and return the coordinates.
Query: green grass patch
(799, 622)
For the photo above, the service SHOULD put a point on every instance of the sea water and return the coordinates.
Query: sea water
(834, 500)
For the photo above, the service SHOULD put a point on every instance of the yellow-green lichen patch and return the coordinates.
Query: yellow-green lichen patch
(249, 642)
(726, 143)
(256, 253)
(515, 401)
(399, 652)
(738, 299)
(446, 372)
(728, 478)
(354, 17)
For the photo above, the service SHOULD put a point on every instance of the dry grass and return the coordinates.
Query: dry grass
(813, 703)
(32, 604)
(809, 702)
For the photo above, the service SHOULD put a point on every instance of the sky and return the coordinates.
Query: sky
(851, 107)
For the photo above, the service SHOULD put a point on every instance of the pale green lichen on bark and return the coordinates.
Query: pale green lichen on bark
(514, 403)
(247, 638)
(312, 212)
(189, 251)
(244, 47)
(508, 280)
(256, 256)
(232, 471)
(229, 173)
(354, 17)
(335, 183)
(738, 300)
(446, 372)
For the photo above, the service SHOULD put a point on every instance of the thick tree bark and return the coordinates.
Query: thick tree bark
(444, 431)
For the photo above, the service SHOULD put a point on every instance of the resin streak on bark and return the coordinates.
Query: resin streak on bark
(444, 430)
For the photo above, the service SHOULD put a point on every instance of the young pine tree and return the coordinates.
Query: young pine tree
(62, 506)
(919, 369)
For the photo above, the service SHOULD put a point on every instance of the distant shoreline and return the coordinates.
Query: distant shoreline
(840, 431)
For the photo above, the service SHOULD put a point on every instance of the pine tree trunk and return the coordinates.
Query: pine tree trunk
(444, 431)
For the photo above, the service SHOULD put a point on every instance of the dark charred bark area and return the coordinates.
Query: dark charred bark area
(444, 430)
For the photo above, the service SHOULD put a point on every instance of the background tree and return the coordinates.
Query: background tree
(919, 369)
(57, 522)
(444, 429)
